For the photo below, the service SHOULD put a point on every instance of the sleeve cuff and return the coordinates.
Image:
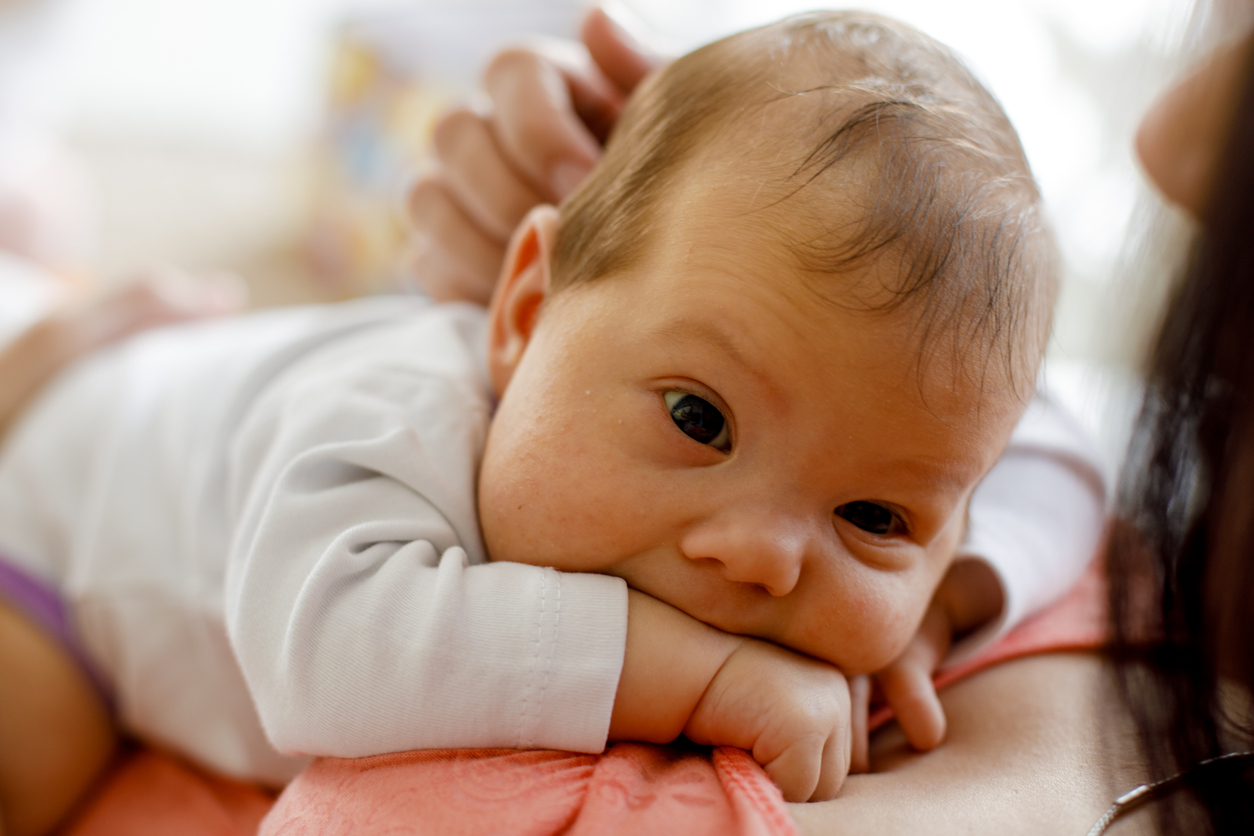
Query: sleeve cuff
(579, 659)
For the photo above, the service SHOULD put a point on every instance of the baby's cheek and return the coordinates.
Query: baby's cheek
(521, 519)
(867, 628)
(547, 511)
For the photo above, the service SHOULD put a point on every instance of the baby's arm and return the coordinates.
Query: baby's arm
(359, 602)
(1034, 525)
(365, 619)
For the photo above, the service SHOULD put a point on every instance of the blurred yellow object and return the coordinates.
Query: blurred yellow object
(377, 131)
(395, 67)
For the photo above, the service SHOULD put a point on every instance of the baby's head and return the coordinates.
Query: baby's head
(758, 363)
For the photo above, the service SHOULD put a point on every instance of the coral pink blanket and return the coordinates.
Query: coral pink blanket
(631, 788)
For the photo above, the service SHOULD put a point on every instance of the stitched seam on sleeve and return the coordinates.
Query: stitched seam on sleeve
(551, 648)
(546, 645)
(530, 707)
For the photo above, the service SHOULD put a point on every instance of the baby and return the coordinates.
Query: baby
(717, 433)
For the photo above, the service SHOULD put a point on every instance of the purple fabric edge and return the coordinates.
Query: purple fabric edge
(41, 603)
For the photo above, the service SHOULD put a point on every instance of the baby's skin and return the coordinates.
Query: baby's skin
(748, 456)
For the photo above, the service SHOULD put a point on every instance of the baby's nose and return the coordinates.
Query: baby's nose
(767, 551)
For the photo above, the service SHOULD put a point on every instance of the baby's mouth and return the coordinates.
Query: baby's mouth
(697, 588)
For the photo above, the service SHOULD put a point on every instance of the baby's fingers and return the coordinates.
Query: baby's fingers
(859, 709)
(909, 690)
(812, 767)
(907, 683)
(837, 758)
(798, 770)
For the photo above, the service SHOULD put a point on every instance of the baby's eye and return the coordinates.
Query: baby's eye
(871, 517)
(698, 419)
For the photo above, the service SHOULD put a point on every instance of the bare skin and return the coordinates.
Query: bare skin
(550, 110)
(56, 735)
(159, 297)
(1181, 137)
(1037, 742)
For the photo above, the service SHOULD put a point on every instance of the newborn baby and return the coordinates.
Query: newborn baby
(709, 453)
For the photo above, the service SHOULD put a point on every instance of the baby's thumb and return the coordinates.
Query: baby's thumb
(909, 690)
(907, 682)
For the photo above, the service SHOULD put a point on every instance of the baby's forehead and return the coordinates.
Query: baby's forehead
(881, 218)
(843, 395)
(850, 149)
(720, 272)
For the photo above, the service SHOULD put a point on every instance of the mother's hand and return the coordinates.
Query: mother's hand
(549, 108)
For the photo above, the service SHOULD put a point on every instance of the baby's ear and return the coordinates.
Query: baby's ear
(523, 287)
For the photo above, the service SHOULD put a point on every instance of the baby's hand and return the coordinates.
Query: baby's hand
(907, 682)
(682, 676)
(792, 712)
(968, 597)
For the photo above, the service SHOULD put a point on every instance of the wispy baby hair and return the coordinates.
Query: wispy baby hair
(899, 157)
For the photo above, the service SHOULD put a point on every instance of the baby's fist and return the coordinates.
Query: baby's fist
(792, 712)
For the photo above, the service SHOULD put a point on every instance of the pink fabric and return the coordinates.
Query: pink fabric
(631, 788)
(153, 794)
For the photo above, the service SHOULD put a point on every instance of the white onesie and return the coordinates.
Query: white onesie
(265, 531)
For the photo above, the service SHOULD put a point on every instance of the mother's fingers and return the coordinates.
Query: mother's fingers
(474, 169)
(553, 103)
(535, 121)
(620, 56)
(451, 257)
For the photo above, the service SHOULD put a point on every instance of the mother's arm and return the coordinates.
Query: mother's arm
(1037, 745)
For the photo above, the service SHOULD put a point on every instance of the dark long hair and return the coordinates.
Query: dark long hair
(1181, 561)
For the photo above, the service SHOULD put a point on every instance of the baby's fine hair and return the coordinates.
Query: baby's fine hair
(901, 158)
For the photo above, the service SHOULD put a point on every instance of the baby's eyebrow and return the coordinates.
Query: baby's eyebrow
(945, 477)
(708, 331)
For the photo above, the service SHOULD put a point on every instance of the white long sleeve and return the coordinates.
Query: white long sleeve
(265, 531)
(359, 601)
(1036, 518)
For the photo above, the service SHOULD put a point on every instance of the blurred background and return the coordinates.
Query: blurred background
(275, 138)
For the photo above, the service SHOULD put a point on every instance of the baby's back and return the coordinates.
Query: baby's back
(114, 490)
